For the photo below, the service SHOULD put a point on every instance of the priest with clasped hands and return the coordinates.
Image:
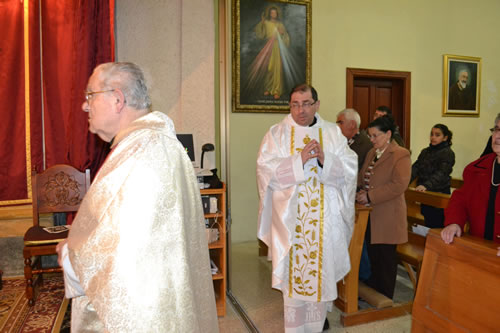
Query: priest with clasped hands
(306, 175)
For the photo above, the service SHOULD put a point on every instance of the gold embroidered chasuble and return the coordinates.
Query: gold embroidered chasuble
(306, 252)
(306, 212)
(138, 245)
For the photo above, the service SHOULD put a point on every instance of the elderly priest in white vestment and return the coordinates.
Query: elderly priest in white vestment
(136, 258)
(306, 176)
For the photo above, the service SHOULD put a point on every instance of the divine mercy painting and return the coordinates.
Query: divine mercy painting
(272, 53)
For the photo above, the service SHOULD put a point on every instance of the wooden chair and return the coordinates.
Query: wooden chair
(60, 188)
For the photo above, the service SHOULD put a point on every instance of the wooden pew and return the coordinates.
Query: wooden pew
(411, 253)
(414, 198)
(348, 288)
(458, 289)
(456, 183)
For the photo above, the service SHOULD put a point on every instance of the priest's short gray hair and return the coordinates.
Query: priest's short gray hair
(129, 78)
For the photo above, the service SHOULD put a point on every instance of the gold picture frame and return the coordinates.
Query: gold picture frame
(461, 86)
(271, 53)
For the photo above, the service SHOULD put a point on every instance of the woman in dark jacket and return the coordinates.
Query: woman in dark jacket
(433, 169)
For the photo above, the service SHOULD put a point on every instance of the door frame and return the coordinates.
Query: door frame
(404, 77)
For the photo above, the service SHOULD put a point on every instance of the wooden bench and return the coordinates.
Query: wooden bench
(458, 289)
(350, 287)
(411, 254)
(347, 289)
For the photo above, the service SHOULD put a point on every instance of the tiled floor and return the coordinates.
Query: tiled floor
(251, 281)
(231, 322)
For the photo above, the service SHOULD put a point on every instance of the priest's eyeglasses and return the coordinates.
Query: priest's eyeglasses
(89, 94)
(495, 130)
(305, 105)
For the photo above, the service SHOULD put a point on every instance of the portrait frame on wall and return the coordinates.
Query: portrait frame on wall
(271, 53)
(461, 86)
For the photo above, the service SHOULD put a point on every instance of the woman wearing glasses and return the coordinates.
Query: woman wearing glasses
(382, 182)
(477, 201)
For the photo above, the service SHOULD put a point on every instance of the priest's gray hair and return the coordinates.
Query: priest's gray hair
(129, 78)
(351, 114)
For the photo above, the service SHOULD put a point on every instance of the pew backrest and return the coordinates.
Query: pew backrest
(458, 288)
(415, 198)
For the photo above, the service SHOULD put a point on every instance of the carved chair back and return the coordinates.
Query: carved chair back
(60, 188)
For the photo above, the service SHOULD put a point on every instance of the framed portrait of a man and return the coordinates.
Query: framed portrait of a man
(271, 52)
(461, 85)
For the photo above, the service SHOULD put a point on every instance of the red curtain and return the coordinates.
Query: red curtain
(36, 130)
(12, 111)
(76, 36)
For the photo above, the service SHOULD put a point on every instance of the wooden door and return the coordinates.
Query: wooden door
(369, 89)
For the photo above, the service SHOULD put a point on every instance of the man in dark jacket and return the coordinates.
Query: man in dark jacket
(349, 121)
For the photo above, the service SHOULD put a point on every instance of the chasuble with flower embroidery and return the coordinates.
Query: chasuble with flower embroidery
(306, 213)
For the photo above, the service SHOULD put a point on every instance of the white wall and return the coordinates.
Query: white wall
(387, 35)
(173, 41)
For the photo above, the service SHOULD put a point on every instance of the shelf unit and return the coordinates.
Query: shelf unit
(218, 248)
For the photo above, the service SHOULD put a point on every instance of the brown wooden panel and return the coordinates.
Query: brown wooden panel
(397, 106)
(399, 102)
(370, 82)
(348, 286)
(362, 104)
(370, 315)
(383, 96)
(458, 288)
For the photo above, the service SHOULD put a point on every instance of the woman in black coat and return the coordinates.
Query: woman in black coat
(433, 169)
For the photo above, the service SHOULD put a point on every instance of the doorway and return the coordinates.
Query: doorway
(367, 89)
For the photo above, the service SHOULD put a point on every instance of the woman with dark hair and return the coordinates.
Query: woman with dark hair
(382, 182)
(432, 171)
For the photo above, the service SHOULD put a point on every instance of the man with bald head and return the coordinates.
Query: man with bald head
(136, 258)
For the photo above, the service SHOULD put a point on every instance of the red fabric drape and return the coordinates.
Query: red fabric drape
(12, 112)
(36, 133)
(77, 36)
